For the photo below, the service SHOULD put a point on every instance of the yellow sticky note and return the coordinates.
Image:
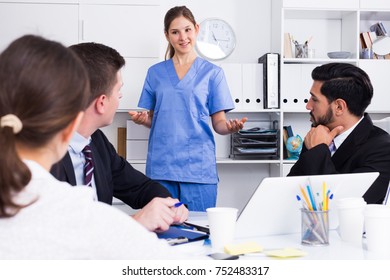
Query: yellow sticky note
(243, 248)
(286, 253)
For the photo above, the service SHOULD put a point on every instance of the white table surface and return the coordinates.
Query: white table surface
(336, 250)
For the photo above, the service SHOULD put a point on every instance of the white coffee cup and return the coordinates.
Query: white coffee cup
(351, 218)
(377, 226)
(222, 223)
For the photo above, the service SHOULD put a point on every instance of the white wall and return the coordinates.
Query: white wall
(250, 19)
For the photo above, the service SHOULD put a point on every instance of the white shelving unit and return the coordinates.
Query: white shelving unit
(333, 26)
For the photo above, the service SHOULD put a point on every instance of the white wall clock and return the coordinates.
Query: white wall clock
(216, 39)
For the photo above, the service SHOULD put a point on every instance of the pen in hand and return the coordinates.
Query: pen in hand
(175, 206)
(178, 204)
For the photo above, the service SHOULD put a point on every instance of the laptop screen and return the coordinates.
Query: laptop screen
(274, 209)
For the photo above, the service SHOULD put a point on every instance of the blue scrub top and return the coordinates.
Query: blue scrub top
(181, 142)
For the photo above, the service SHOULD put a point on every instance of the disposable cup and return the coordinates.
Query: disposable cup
(351, 218)
(222, 223)
(377, 226)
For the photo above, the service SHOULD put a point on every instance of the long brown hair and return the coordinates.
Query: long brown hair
(170, 16)
(45, 85)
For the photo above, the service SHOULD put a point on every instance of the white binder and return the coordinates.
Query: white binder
(252, 86)
(233, 74)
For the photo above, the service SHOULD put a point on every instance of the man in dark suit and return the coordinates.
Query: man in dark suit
(343, 138)
(112, 175)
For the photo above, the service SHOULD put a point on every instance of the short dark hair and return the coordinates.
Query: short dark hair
(345, 81)
(102, 63)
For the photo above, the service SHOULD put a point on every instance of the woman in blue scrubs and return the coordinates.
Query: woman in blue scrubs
(180, 94)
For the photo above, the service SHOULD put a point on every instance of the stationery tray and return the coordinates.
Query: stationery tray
(248, 142)
(339, 55)
(257, 151)
(256, 135)
(258, 131)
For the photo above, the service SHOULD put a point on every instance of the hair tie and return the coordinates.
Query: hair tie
(12, 121)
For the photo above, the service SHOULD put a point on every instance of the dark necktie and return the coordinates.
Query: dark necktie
(88, 166)
(332, 147)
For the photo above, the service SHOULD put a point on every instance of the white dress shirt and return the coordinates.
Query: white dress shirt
(339, 139)
(76, 146)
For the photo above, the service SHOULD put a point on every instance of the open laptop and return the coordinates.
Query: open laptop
(274, 209)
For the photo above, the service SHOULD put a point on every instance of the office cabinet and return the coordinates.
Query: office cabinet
(127, 28)
(120, 24)
(136, 141)
(133, 34)
(59, 22)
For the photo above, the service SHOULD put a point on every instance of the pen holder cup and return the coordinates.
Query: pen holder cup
(315, 228)
(301, 51)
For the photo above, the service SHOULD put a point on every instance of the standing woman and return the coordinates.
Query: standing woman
(181, 93)
(43, 90)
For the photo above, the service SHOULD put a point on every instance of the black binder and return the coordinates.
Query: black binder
(271, 80)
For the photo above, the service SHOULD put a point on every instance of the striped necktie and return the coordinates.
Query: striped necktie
(88, 166)
(332, 147)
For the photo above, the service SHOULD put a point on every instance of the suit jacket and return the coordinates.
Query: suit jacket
(114, 176)
(366, 149)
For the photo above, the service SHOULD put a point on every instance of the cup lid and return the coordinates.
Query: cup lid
(350, 202)
(377, 210)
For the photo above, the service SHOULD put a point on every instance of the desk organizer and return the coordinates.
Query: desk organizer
(257, 142)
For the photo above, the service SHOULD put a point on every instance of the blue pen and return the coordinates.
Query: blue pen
(311, 198)
(178, 204)
(303, 203)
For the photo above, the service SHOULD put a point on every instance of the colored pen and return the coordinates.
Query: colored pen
(324, 206)
(311, 198)
(306, 199)
(328, 196)
(304, 205)
(319, 203)
(178, 204)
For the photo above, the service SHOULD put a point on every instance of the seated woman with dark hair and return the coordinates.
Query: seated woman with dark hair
(43, 93)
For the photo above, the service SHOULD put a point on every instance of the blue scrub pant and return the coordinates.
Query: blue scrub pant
(197, 197)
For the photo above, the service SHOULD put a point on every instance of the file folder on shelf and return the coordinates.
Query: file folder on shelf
(271, 80)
